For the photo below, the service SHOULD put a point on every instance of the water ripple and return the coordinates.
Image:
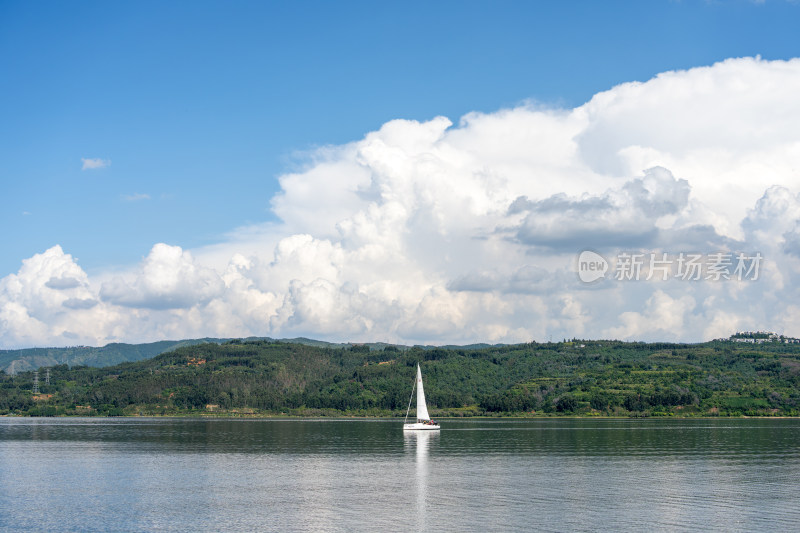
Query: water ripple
(354, 475)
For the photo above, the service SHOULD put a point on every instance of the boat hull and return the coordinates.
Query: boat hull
(420, 427)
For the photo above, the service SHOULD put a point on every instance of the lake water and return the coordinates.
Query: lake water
(367, 475)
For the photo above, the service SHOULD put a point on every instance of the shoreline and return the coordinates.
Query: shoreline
(255, 416)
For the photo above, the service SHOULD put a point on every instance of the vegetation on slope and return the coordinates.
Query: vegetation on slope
(590, 378)
(15, 361)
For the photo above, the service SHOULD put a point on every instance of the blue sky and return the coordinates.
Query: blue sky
(201, 105)
(192, 111)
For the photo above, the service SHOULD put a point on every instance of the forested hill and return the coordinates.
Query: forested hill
(14, 361)
(268, 377)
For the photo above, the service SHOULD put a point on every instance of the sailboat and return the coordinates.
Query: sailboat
(424, 421)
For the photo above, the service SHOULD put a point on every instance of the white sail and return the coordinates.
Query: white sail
(422, 408)
(424, 421)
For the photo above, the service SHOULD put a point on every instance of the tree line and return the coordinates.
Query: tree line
(587, 378)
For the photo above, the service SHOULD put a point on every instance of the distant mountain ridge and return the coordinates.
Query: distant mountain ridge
(26, 359)
(23, 360)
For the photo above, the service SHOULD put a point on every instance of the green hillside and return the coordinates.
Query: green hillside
(22, 360)
(14, 361)
(589, 378)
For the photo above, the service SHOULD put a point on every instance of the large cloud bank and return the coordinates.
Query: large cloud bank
(430, 232)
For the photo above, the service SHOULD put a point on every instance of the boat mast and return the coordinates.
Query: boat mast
(411, 398)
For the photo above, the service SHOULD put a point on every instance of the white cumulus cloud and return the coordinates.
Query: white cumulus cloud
(442, 232)
(168, 278)
(135, 197)
(50, 301)
(94, 163)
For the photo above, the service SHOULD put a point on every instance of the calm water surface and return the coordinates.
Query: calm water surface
(359, 475)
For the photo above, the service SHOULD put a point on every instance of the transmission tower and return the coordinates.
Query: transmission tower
(47, 377)
(36, 382)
